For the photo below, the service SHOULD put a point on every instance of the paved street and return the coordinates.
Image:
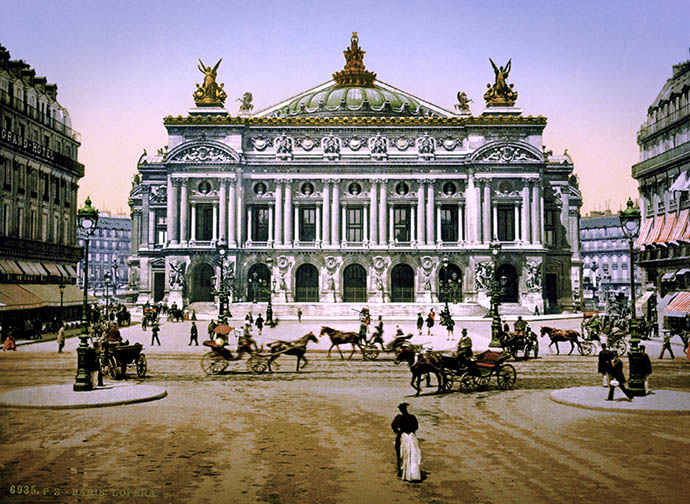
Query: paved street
(324, 436)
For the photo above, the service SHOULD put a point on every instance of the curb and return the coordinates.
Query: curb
(63, 397)
(658, 402)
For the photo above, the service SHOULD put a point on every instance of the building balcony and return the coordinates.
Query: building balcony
(668, 121)
(35, 114)
(676, 155)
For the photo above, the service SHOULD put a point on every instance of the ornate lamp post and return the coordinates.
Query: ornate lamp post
(269, 307)
(630, 224)
(222, 249)
(495, 248)
(114, 268)
(445, 287)
(62, 293)
(107, 284)
(87, 220)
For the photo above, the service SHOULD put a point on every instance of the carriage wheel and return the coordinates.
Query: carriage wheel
(535, 347)
(257, 365)
(212, 363)
(447, 385)
(466, 383)
(370, 353)
(141, 366)
(620, 346)
(109, 366)
(585, 348)
(481, 381)
(505, 377)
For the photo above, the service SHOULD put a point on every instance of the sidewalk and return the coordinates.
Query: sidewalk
(658, 402)
(63, 397)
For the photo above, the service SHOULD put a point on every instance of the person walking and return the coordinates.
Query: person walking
(430, 321)
(617, 379)
(193, 334)
(420, 323)
(259, 323)
(604, 363)
(155, 329)
(299, 315)
(450, 325)
(249, 318)
(9, 344)
(61, 338)
(408, 456)
(667, 346)
(645, 367)
(211, 328)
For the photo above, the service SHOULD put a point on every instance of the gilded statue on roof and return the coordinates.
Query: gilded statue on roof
(501, 93)
(210, 93)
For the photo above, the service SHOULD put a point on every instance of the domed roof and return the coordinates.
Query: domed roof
(355, 94)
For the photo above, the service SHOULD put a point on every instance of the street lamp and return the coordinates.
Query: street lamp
(269, 307)
(61, 287)
(495, 248)
(222, 249)
(630, 224)
(108, 283)
(445, 289)
(87, 220)
(114, 267)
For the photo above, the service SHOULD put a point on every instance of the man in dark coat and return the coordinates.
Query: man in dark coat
(155, 329)
(646, 368)
(259, 323)
(667, 346)
(604, 365)
(404, 422)
(194, 334)
(617, 379)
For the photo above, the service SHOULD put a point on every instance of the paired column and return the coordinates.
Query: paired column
(430, 204)
(170, 208)
(536, 220)
(326, 209)
(278, 236)
(373, 213)
(146, 210)
(383, 213)
(222, 234)
(232, 233)
(271, 229)
(494, 227)
(486, 212)
(240, 213)
(152, 229)
(193, 226)
(288, 215)
(335, 215)
(421, 232)
(215, 222)
(461, 220)
(525, 223)
(184, 204)
(175, 196)
(365, 225)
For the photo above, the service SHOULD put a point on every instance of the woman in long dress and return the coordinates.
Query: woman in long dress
(406, 445)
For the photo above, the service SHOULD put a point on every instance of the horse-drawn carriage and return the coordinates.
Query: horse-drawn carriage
(175, 314)
(219, 357)
(584, 347)
(524, 341)
(123, 316)
(488, 364)
(115, 357)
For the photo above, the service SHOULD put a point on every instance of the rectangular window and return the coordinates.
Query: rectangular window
(44, 186)
(401, 223)
(161, 227)
(550, 220)
(6, 220)
(21, 184)
(20, 222)
(506, 222)
(449, 223)
(260, 223)
(56, 229)
(354, 224)
(307, 224)
(56, 191)
(7, 182)
(44, 227)
(32, 224)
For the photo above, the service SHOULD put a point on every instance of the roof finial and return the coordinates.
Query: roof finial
(354, 73)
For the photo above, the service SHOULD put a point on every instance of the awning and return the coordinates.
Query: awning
(681, 222)
(11, 267)
(52, 269)
(669, 276)
(682, 183)
(63, 270)
(641, 302)
(71, 270)
(679, 306)
(646, 227)
(14, 297)
(668, 227)
(656, 232)
(50, 294)
(683, 271)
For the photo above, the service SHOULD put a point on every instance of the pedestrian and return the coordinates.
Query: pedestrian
(407, 452)
(193, 334)
(667, 346)
(299, 315)
(211, 328)
(604, 363)
(430, 321)
(259, 323)
(154, 332)
(249, 318)
(362, 332)
(420, 323)
(617, 379)
(450, 325)
(193, 315)
(645, 367)
(61, 338)
(536, 310)
(9, 344)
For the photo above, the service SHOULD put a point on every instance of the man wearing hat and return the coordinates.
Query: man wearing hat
(404, 423)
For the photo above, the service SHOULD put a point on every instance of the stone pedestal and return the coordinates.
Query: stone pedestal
(175, 296)
(207, 111)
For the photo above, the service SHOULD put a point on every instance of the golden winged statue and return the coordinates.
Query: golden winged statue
(210, 93)
(501, 93)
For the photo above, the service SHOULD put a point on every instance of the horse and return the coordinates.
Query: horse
(425, 364)
(557, 335)
(342, 338)
(297, 347)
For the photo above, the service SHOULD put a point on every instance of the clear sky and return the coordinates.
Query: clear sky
(591, 67)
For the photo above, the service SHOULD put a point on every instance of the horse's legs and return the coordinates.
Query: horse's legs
(270, 359)
(572, 347)
(341, 353)
(304, 359)
(558, 351)
(354, 348)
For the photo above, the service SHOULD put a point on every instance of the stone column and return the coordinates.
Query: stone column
(240, 214)
(477, 214)
(525, 226)
(288, 214)
(145, 210)
(540, 213)
(535, 213)
(469, 207)
(270, 225)
(297, 234)
(152, 229)
(232, 233)
(494, 227)
(223, 220)
(184, 206)
(430, 204)
(249, 224)
(391, 234)
(438, 225)
(135, 237)
(516, 207)
(373, 213)
(461, 220)
(383, 213)
(176, 212)
(318, 224)
(335, 215)
(365, 226)
(326, 208)
(413, 224)
(215, 222)
(421, 233)
(343, 222)
(278, 235)
(170, 208)
(193, 226)
(486, 212)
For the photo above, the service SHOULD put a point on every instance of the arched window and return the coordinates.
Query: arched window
(402, 284)
(307, 284)
(354, 284)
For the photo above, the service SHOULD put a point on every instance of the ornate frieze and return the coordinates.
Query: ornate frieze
(283, 145)
(202, 154)
(307, 143)
(159, 195)
(483, 273)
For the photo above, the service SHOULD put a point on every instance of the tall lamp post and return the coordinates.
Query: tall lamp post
(495, 248)
(61, 287)
(222, 249)
(630, 224)
(445, 286)
(107, 284)
(269, 306)
(87, 220)
(114, 268)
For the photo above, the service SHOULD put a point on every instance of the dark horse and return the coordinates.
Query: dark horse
(557, 335)
(297, 347)
(422, 365)
(341, 338)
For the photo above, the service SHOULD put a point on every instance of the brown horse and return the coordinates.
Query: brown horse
(556, 335)
(297, 347)
(342, 338)
(422, 365)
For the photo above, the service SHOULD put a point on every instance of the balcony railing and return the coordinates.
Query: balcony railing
(650, 129)
(37, 115)
(679, 152)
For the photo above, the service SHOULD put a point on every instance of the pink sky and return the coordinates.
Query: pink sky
(592, 68)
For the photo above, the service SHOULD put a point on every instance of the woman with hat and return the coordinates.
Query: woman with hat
(407, 451)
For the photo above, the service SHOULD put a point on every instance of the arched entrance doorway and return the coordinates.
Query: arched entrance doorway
(402, 284)
(507, 278)
(354, 284)
(307, 284)
(201, 284)
(450, 284)
(258, 283)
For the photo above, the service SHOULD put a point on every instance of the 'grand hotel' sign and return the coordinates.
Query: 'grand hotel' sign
(26, 145)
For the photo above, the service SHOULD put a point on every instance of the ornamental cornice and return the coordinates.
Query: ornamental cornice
(506, 152)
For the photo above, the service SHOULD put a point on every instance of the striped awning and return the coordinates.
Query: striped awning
(10, 267)
(681, 223)
(679, 306)
(668, 227)
(656, 232)
(52, 269)
(646, 228)
(14, 297)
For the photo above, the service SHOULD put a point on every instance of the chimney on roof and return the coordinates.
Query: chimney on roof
(51, 91)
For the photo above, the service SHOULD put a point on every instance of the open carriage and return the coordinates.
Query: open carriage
(525, 342)
(488, 364)
(115, 358)
(220, 356)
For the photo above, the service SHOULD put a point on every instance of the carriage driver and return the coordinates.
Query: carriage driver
(464, 347)
(520, 326)
(246, 342)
